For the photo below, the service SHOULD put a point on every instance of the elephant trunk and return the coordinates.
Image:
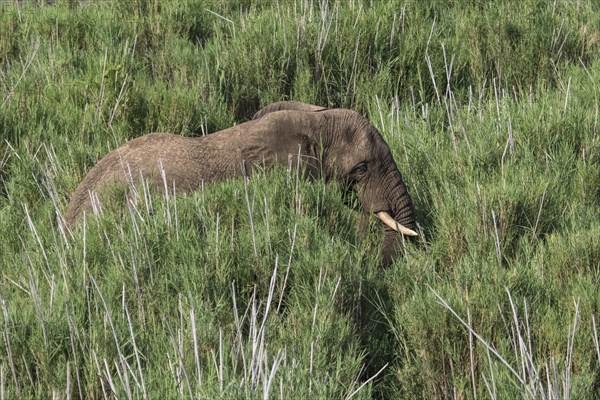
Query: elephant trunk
(399, 218)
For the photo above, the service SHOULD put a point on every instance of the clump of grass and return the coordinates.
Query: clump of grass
(547, 379)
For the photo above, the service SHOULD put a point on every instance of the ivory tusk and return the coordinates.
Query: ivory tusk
(392, 223)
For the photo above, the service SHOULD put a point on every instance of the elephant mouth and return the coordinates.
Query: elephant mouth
(395, 225)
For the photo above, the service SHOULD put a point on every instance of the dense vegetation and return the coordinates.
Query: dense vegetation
(272, 287)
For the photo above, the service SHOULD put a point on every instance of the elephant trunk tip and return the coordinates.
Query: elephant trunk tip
(395, 225)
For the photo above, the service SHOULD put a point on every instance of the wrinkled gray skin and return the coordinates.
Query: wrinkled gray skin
(335, 144)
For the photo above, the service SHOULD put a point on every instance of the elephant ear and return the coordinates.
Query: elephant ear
(271, 143)
(287, 105)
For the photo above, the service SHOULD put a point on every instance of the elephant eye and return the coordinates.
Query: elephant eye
(359, 170)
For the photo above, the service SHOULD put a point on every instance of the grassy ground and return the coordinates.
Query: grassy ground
(267, 288)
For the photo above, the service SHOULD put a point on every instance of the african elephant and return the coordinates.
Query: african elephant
(336, 144)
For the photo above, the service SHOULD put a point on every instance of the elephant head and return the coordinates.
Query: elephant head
(336, 144)
(367, 167)
(356, 155)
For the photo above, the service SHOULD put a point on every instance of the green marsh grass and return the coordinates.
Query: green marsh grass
(271, 287)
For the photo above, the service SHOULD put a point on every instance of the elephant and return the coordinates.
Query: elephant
(334, 144)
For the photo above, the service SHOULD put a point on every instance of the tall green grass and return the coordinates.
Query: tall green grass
(272, 287)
